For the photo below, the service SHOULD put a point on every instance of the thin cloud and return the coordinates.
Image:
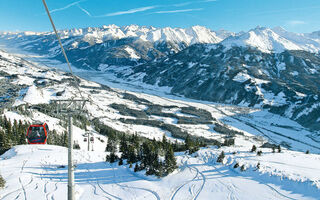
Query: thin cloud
(131, 11)
(281, 11)
(66, 7)
(192, 2)
(177, 11)
(84, 10)
(296, 22)
(183, 4)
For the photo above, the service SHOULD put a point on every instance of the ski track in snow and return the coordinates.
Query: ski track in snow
(155, 194)
(195, 179)
(200, 177)
(202, 185)
(22, 188)
(211, 163)
(98, 183)
(101, 188)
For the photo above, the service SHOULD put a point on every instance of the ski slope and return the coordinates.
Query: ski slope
(40, 172)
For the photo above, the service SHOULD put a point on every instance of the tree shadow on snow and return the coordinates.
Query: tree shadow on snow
(101, 172)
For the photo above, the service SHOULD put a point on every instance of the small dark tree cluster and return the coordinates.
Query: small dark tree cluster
(2, 182)
(242, 168)
(59, 139)
(221, 157)
(228, 142)
(112, 157)
(81, 121)
(192, 145)
(156, 157)
(279, 148)
(258, 165)
(254, 148)
(12, 133)
(259, 153)
(236, 165)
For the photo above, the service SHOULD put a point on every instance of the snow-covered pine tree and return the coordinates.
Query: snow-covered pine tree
(254, 148)
(221, 157)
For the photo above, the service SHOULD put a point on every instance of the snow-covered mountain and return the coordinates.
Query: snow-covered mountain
(274, 40)
(94, 35)
(286, 83)
(113, 45)
(97, 48)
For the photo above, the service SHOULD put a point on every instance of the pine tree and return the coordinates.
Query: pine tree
(188, 142)
(113, 157)
(170, 160)
(131, 154)
(111, 145)
(259, 153)
(279, 148)
(2, 182)
(221, 157)
(242, 168)
(160, 170)
(124, 146)
(136, 167)
(22, 139)
(120, 161)
(254, 148)
(258, 165)
(65, 139)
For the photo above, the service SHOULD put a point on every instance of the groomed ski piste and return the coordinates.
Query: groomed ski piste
(40, 171)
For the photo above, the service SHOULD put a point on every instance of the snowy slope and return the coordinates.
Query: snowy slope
(40, 172)
(273, 40)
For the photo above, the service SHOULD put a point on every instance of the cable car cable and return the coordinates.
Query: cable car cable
(64, 53)
(61, 46)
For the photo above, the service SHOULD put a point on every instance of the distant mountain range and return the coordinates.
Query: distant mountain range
(98, 48)
(265, 68)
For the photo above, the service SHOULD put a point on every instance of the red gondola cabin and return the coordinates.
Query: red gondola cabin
(37, 133)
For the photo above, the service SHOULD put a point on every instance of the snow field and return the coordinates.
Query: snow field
(40, 172)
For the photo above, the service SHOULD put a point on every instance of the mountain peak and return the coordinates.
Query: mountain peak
(279, 29)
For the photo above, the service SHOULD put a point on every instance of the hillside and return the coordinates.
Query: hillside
(147, 115)
(39, 171)
(284, 83)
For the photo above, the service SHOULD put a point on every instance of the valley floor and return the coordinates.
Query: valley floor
(40, 172)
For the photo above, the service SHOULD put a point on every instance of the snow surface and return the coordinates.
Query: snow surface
(40, 172)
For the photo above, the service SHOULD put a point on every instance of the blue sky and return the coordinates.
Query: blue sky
(233, 15)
